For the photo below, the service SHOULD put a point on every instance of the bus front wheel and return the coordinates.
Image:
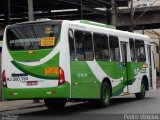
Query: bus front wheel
(142, 92)
(54, 104)
(104, 100)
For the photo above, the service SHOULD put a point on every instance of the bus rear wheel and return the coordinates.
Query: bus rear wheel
(104, 100)
(142, 92)
(55, 104)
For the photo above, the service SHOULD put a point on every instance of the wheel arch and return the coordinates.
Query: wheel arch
(146, 82)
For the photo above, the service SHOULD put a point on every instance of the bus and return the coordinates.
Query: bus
(60, 61)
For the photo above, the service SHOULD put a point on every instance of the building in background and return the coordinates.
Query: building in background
(144, 3)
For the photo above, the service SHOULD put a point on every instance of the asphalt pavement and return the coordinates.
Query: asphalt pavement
(120, 108)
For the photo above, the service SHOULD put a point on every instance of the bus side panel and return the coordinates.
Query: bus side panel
(114, 73)
(135, 74)
(84, 82)
(88, 77)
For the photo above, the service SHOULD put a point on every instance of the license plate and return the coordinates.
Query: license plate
(32, 83)
(51, 71)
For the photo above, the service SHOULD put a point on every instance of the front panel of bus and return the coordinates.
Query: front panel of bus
(30, 62)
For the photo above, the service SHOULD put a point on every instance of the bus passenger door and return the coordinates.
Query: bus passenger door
(124, 66)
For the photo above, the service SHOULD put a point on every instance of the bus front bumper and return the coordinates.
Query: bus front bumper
(62, 91)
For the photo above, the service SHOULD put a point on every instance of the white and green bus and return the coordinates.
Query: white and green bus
(61, 61)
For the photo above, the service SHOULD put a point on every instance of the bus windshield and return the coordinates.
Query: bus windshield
(32, 36)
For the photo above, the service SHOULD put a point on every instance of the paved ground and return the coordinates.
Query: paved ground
(120, 106)
(18, 104)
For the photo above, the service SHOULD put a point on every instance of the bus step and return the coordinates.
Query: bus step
(126, 93)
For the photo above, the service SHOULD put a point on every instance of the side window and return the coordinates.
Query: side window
(79, 45)
(117, 50)
(87, 36)
(71, 44)
(132, 49)
(101, 46)
(84, 46)
(140, 50)
(114, 48)
(97, 46)
(105, 48)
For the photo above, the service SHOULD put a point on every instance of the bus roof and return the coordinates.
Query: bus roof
(36, 21)
(104, 28)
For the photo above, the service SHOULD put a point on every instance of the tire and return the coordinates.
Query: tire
(105, 95)
(55, 104)
(141, 94)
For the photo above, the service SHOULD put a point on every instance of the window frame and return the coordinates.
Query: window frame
(89, 33)
(100, 49)
(83, 45)
(10, 30)
(140, 59)
(114, 57)
(74, 57)
(134, 59)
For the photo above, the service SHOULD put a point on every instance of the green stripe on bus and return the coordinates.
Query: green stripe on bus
(97, 24)
(88, 86)
(112, 69)
(118, 89)
(39, 71)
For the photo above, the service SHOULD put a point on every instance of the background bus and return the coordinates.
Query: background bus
(59, 61)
